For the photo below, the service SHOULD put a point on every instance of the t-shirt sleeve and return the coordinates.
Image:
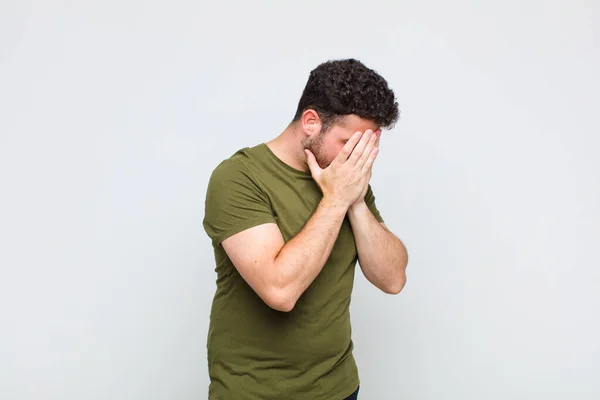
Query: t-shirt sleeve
(234, 202)
(370, 201)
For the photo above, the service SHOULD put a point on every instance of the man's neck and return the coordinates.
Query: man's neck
(288, 148)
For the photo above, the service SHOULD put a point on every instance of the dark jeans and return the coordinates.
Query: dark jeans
(353, 396)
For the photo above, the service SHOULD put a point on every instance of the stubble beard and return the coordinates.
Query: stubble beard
(315, 145)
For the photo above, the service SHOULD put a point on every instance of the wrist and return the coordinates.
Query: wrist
(358, 207)
(335, 205)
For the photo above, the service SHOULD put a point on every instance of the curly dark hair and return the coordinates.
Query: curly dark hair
(340, 87)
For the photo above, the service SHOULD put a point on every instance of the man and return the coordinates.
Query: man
(288, 220)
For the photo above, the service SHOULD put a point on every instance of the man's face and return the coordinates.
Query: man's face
(326, 146)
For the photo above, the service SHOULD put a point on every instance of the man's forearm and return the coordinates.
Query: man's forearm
(382, 256)
(302, 258)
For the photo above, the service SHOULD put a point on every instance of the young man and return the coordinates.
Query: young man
(288, 220)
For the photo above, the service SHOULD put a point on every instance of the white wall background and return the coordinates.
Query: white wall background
(113, 114)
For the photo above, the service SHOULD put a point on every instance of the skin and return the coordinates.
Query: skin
(340, 160)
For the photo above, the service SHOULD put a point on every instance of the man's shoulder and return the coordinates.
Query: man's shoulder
(238, 164)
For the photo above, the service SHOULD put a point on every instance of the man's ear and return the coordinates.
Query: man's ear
(311, 122)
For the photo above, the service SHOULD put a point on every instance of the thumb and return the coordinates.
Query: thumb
(314, 167)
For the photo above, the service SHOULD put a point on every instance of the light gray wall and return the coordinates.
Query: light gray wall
(113, 114)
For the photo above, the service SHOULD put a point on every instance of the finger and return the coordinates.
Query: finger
(314, 167)
(347, 149)
(367, 151)
(370, 160)
(360, 147)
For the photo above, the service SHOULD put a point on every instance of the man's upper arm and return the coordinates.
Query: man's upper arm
(239, 218)
(253, 252)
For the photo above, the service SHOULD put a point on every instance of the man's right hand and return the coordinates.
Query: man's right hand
(344, 180)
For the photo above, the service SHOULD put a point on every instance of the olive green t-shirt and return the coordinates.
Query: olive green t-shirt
(254, 351)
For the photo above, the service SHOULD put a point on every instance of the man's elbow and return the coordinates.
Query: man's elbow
(396, 285)
(280, 299)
